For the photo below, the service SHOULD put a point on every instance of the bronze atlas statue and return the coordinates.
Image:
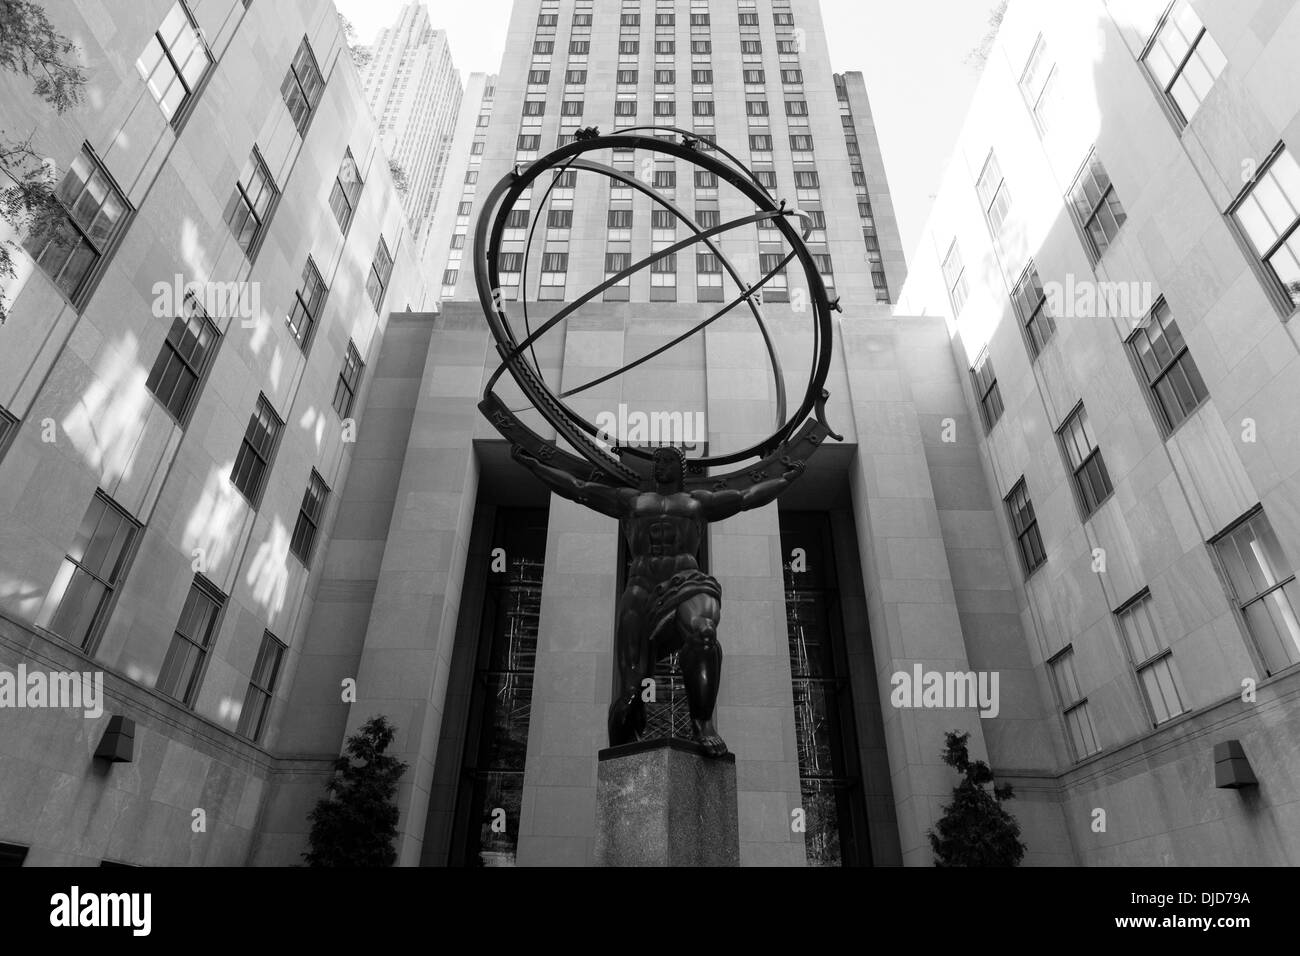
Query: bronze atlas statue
(662, 498)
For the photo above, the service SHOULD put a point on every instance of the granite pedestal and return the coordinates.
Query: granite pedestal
(666, 803)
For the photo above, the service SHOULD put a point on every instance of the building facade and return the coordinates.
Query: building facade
(1114, 248)
(414, 91)
(179, 382)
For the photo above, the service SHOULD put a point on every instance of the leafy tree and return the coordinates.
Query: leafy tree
(399, 176)
(32, 48)
(361, 55)
(975, 830)
(355, 823)
(979, 55)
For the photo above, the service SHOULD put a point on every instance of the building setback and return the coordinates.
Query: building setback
(414, 92)
(1114, 249)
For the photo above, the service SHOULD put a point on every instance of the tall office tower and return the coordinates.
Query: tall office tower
(181, 371)
(443, 251)
(1116, 250)
(414, 92)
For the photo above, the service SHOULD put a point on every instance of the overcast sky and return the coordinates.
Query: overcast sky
(911, 52)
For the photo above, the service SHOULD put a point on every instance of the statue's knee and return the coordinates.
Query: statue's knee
(703, 633)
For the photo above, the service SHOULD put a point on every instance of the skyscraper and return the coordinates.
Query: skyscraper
(414, 92)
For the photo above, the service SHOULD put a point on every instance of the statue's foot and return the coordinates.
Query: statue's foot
(706, 735)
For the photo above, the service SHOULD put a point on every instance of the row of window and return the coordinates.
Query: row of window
(630, 48)
(1255, 569)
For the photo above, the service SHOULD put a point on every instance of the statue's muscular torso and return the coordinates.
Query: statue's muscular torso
(663, 533)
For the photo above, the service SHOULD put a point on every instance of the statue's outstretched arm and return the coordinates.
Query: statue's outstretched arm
(599, 497)
(719, 505)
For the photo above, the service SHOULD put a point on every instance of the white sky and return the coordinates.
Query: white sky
(911, 52)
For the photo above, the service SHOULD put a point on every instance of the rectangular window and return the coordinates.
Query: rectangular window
(630, 20)
(702, 107)
(792, 77)
(1091, 480)
(665, 108)
(346, 191)
(1096, 207)
(77, 603)
(310, 513)
(1152, 660)
(616, 262)
(571, 108)
(1024, 524)
(1031, 307)
(1268, 212)
(665, 20)
(182, 668)
(256, 450)
(249, 208)
(627, 77)
(345, 391)
(575, 77)
(986, 390)
(665, 179)
(70, 251)
(380, 270)
(665, 77)
(801, 143)
(954, 277)
(579, 47)
(306, 305)
(766, 178)
(1167, 367)
(1038, 85)
(760, 143)
(534, 107)
(1183, 59)
(174, 62)
(796, 108)
(1264, 586)
(184, 357)
(666, 47)
(544, 47)
(539, 77)
(261, 688)
(708, 218)
(756, 107)
(302, 87)
(529, 142)
(629, 47)
(993, 193)
(753, 77)
(701, 47)
(702, 77)
(1074, 706)
(625, 108)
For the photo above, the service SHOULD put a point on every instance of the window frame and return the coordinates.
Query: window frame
(254, 498)
(1159, 408)
(1162, 656)
(269, 642)
(1068, 438)
(348, 199)
(170, 350)
(183, 109)
(350, 388)
(211, 592)
(1019, 533)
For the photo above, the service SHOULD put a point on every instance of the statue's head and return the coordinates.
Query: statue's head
(669, 466)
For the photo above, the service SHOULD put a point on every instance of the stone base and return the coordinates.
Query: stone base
(665, 803)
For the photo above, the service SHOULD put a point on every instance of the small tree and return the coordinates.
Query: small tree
(32, 48)
(355, 823)
(361, 55)
(975, 830)
(398, 172)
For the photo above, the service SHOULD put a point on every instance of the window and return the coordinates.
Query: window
(702, 107)
(766, 178)
(12, 854)
(783, 19)
(792, 77)
(1091, 479)
(1074, 706)
(702, 77)
(306, 305)
(539, 77)
(749, 19)
(255, 451)
(627, 77)
(1096, 207)
(575, 77)
(182, 668)
(1264, 586)
(579, 47)
(8, 429)
(665, 179)
(1038, 85)
(986, 390)
(346, 191)
(708, 218)
(665, 20)
(663, 271)
(630, 20)
(1183, 59)
(310, 513)
(753, 77)
(261, 688)
(616, 262)
(1151, 658)
(302, 87)
(1025, 527)
(625, 108)
(954, 277)
(796, 108)
(543, 47)
(1268, 212)
(699, 19)
(249, 208)
(534, 107)
(174, 62)
(993, 193)
(571, 108)
(666, 47)
(547, 20)
(756, 107)
(665, 108)
(620, 225)
(380, 270)
(76, 606)
(182, 360)
(760, 143)
(801, 143)
(582, 19)
(1167, 366)
(629, 47)
(701, 47)
(558, 224)
(70, 252)
(529, 142)
(345, 391)
(1031, 306)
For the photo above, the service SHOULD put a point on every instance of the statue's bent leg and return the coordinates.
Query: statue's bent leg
(627, 711)
(701, 661)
